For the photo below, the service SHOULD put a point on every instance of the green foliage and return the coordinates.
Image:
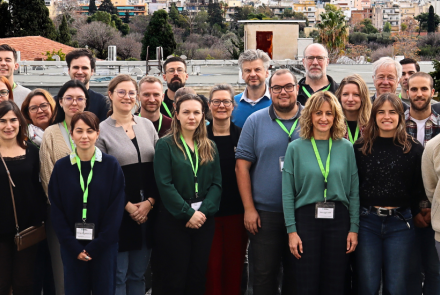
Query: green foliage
(30, 18)
(92, 7)
(131, 59)
(159, 33)
(387, 27)
(215, 14)
(110, 19)
(423, 21)
(64, 32)
(60, 53)
(333, 29)
(123, 28)
(403, 27)
(127, 17)
(358, 38)
(429, 51)
(315, 35)
(237, 49)
(260, 16)
(431, 20)
(436, 75)
(174, 14)
(209, 57)
(108, 6)
(331, 7)
(367, 27)
(5, 19)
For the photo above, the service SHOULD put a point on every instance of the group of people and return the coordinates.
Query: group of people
(328, 189)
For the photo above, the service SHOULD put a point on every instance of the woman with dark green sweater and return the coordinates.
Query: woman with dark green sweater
(188, 176)
(321, 197)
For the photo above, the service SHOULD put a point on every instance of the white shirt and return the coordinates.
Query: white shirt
(254, 102)
(420, 129)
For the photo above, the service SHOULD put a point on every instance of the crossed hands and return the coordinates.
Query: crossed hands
(139, 211)
(84, 256)
(197, 220)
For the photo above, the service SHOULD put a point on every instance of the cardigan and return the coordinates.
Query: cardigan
(303, 182)
(175, 180)
(138, 176)
(105, 203)
(53, 147)
(30, 200)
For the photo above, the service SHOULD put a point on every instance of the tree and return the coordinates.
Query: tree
(174, 14)
(403, 27)
(127, 47)
(366, 26)
(333, 30)
(436, 75)
(30, 18)
(423, 21)
(139, 23)
(159, 33)
(123, 28)
(358, 38)
(201, 21)
(127, 17)
(387, 27)
(215, 14)
(110, 19)
(64, 33)
(98, 36)
(92, 7)
(238, 47)
(107, 6)
(431, 20)
(5, 19)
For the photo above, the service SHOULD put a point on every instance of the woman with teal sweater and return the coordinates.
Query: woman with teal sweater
(321, 197)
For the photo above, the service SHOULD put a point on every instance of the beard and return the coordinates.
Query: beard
(317, 76)
(424, 107)
(284, 109)
(175, 84)
(149, 110)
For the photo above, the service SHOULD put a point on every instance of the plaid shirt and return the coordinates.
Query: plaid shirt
(432, 126)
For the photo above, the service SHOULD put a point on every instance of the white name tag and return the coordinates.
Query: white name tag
(84, 231)
(196, 206)
(325, 210)
(281, 163)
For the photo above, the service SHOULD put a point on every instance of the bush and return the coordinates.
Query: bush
(381, 52)
(357, 38)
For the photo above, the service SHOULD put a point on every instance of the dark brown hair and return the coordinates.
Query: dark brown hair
(27, 102)
(87, 117)
(77, 53)
(114, 83)
(371, 131)
(7, 106)
(8, 85)
(6, 47)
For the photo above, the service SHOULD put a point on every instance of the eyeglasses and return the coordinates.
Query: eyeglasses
(122, 93)
(44, 107)
(383, 78)
(319, 58)
(218, 102)
(172, 71)
(71, 99)
(288, 88)
(4, 92)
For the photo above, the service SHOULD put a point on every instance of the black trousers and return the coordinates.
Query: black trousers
(181, 255)
(322, 267)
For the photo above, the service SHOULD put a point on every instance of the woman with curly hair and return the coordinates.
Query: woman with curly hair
(321, 197)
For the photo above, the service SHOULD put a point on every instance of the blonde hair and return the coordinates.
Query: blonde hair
(204, 144)
(313, 104)
(365, 109)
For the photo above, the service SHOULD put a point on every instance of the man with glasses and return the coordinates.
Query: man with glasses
(8, 64)
(315, 62)
(258, 169)
(386, 75)
(175, 75)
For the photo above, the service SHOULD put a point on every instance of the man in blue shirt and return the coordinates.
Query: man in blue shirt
(254, 65)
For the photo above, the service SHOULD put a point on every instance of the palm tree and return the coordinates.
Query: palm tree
(333, 31)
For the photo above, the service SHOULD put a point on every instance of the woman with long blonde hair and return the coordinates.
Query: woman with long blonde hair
(354, 97)
(188, 176)
(321, 197)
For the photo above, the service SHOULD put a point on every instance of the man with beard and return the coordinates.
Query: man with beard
(81, 66)
(315, 62)
(175, 75)
(151, 97)
(8, 64)
(423, 123)
(254, 65)
(258, 168)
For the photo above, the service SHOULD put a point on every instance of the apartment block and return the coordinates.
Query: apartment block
(308, 8)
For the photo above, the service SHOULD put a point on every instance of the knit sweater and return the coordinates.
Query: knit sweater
(244, 109)
(53, 147)
(431, 177)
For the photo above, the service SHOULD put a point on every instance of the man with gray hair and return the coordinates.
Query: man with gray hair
(254, 66)
(386, 75)
(315, 62)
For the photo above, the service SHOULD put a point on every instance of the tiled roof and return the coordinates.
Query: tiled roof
(32, 47)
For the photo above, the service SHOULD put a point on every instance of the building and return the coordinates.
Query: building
(278, 38)
(308, 8)
(230, 11)
(359, 15)
(133, 7)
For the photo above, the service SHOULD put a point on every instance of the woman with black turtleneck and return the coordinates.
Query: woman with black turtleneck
(390, 187)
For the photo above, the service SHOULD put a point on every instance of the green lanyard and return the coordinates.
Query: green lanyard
(400, 95)
(68, 135)
(14, 86)
(308, 94)
(327, 164)
(160, 121)
(356, 135)
(192, 164)
(167, 109)
(284, 127)
(81, 181)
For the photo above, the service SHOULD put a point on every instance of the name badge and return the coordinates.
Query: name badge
(281, 163)
(196, 206)
(85, 231)
(325, 210)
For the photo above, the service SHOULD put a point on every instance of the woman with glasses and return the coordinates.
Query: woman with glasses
(131, 140)
(321, 198)
(230, 239)
(56, 144)
(355, 100)
(5, 90)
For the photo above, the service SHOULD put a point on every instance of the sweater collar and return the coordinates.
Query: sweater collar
(273, 116)
(112, 122)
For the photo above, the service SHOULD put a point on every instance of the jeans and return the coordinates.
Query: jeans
(130, 271)
(385, 244)
(424, 259)
(270, 248)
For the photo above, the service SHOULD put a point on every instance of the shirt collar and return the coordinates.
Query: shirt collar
(98, 156)
(245, 98)
(434, 117)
